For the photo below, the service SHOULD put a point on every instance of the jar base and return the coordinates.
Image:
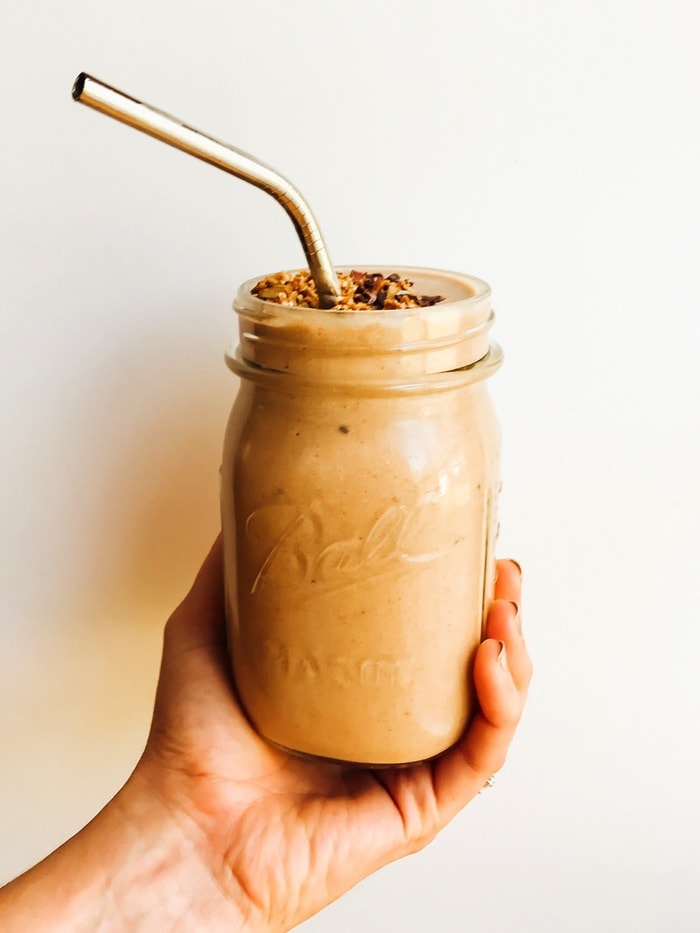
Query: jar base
(345, 763)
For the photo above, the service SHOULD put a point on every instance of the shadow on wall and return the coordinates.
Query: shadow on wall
(155, 429)
(124, 476)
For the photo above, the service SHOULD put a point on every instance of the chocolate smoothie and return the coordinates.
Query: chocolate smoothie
(359, 488)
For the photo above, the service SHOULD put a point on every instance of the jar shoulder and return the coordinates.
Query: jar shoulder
(337, 444)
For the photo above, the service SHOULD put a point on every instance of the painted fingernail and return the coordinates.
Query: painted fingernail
(516, 614)
(511, 560)
(502, 660)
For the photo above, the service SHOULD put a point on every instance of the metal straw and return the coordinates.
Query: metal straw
(169, 129)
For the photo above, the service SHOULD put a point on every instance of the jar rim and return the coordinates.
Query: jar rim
(473, 290)
(403, 342)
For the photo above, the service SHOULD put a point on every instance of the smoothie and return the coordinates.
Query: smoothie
(359, 488)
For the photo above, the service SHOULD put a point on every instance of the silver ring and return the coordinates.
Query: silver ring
(491, 781)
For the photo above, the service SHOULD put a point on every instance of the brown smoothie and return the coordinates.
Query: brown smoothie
(359, 488)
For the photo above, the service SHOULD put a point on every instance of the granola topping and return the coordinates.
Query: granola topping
(360, 291)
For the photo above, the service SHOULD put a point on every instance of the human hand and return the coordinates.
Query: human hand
(281, 836)
(217, 830)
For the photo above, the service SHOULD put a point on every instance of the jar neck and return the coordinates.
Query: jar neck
(374, 386)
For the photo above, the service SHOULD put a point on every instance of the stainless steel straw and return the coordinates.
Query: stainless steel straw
(169, 129)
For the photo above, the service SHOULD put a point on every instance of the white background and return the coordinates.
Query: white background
(550, 148)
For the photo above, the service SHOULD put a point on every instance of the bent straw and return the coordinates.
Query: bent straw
(108, 100)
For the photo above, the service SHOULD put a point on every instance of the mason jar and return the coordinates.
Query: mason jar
(360, 478)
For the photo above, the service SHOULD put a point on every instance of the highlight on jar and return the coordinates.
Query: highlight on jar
(359, 487)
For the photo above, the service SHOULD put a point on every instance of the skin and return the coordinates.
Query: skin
(217, 830)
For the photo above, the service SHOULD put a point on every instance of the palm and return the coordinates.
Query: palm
(294, 834)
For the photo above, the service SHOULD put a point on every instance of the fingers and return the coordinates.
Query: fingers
(508, 580)
(500, 695)
(504, 625)
(502, 673)
(462, 772)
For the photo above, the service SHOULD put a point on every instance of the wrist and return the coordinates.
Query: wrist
(163, 879)
(134, 867)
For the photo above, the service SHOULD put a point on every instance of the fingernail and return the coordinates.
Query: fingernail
(517, 565)
(502, 660)
(516, 616)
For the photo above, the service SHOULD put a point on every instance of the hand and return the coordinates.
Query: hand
(217, 830)
(284, 836)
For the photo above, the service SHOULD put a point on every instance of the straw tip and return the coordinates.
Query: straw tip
(79, 85)
(327, 300)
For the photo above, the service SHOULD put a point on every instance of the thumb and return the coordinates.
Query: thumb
(199, 619)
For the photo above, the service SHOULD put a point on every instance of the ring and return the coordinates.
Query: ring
(491, 781)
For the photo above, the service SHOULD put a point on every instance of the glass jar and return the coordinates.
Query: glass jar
(359, 486)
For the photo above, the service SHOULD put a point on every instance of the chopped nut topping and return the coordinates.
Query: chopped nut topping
(360, 291)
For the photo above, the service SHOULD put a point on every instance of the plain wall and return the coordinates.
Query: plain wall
(550, 148)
